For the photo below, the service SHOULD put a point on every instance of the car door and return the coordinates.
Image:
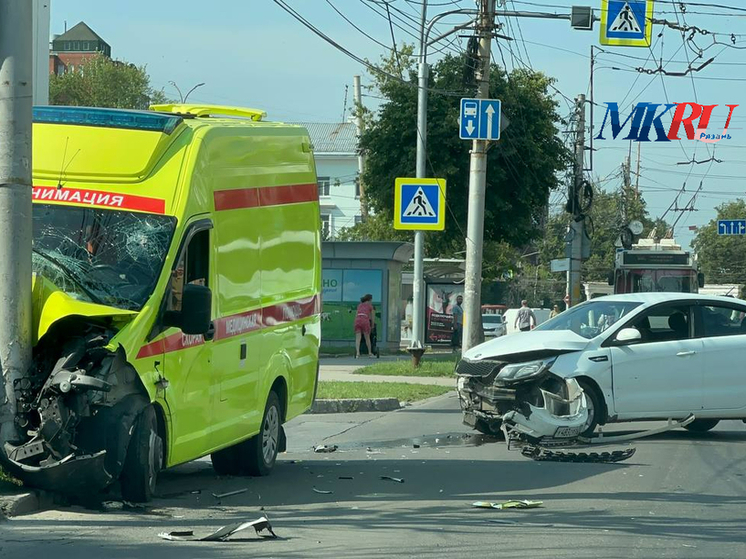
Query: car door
(660, 375)
(723, 331)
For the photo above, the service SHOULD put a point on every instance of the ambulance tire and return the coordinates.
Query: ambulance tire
(227, 462)
(259, 453)
(144, 459)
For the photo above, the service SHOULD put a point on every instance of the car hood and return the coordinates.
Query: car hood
(529, 342)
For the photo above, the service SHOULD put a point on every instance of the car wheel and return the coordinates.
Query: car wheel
(259, 453)
(226, 462)
(595, 406)
(701, 425)
(486, 428)
(144, 459)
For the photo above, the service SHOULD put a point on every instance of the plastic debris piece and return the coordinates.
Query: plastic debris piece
(222, 533)
(396, 479)
(322, 491)
(346, 477)
(229, 494)
(525, 504)
(415, 446)
(322, 448)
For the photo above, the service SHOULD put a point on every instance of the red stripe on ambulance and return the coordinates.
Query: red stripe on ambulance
(243, 198)
(81, 197)
(237, 324)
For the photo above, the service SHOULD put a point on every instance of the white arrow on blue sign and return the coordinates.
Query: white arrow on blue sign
(480, 119)
(732, 227)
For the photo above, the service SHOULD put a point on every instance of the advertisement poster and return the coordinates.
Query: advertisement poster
(342, 290)
(440, 301)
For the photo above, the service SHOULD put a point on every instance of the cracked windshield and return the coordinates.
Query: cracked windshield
(373, 278)
(101, 256)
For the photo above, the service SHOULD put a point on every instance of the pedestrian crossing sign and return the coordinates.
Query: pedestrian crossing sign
(419, 204)
(626, 23)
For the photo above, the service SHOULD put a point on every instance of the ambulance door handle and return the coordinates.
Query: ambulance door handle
(210, 334)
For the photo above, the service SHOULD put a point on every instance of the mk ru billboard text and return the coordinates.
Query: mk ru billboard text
(645, 116)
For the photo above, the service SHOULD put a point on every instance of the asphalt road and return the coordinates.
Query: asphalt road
(680, 496)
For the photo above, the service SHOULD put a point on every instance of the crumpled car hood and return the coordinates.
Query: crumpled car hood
(528, 342)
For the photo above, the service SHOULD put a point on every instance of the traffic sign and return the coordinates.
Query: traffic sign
(480, 119)
(731, 226)
(559, 265)
(420, 204)
(626, 23)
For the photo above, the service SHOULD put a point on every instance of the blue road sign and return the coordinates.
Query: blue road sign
(419, 204)
(480, 119)
(731, 226)
(626, 23)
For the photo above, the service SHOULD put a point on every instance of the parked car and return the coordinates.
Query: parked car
(493, 325)
(643, 356)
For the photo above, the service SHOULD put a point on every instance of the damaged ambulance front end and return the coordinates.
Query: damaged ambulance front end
(77, 408)
(508, 384)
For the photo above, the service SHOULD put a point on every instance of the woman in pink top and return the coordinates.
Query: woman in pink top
(363, 322)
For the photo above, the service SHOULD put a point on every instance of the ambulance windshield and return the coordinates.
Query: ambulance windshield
(109, 257)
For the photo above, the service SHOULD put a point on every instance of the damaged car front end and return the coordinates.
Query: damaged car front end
(519, 395)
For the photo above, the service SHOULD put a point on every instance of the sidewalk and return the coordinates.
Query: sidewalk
(343, 369)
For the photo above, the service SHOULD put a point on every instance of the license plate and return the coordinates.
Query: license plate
(566, 432)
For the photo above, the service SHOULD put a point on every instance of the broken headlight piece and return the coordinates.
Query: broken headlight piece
(522, 371)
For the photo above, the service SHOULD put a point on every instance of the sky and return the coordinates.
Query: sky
(252, 53)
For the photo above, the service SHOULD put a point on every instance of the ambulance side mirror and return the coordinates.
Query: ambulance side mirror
(196, 310)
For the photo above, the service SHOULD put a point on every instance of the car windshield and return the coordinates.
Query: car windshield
(492, 319)
(109, 257)
(590, 319)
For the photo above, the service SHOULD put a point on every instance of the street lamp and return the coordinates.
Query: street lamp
(183, 98)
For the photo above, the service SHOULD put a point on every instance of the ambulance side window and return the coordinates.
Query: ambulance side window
(193, 267)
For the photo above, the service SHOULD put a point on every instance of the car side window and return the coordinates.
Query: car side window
(722, 320)
(665, 324)
(193, 267)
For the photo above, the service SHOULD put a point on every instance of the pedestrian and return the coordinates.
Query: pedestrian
(363, 324)
(555, 311)
(524, 317)
(458, 323)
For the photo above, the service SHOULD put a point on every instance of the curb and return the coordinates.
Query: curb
(355, 405)
(25, 503)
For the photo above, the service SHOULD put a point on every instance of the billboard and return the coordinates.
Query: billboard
(441, 299)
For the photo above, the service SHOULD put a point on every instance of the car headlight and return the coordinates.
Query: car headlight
(522, 371)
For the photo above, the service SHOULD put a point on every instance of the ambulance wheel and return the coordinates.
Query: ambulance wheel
(227, 462)
(260, 452)
(144, 459)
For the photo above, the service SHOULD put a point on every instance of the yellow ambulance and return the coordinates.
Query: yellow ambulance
(177, 280)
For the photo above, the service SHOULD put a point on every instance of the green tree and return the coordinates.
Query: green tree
(103, 82)
(722, 258)
(522, 167)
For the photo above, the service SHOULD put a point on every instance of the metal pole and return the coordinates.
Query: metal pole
(357, 98)
(418, 303)
(593, 106)
(16, 69)
(577, 227)
(41, 11)
(477, 180)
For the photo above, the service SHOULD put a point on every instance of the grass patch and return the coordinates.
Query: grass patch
(8, 484)
(430, 366)
(334, 390)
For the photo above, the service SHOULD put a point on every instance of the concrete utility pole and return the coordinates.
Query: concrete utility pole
(477, 180)
(16, 92)
(577, 227)
(358, 100)
(626, 185)
(418, 295)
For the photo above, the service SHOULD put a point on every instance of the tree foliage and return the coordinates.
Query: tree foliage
(722, 258)
(102, 82)
(522, 167)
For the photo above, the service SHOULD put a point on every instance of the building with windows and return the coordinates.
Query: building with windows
(335, 151)
(76, 45)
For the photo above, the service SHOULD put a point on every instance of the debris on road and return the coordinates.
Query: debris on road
(346, 477)
(322, 448)
(396, 479)
(229, 494)
(525, 504)
(415, 446)
(223, 533)
(322, 491)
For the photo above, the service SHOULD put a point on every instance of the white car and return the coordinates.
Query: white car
(494, 325)
(642, 356)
